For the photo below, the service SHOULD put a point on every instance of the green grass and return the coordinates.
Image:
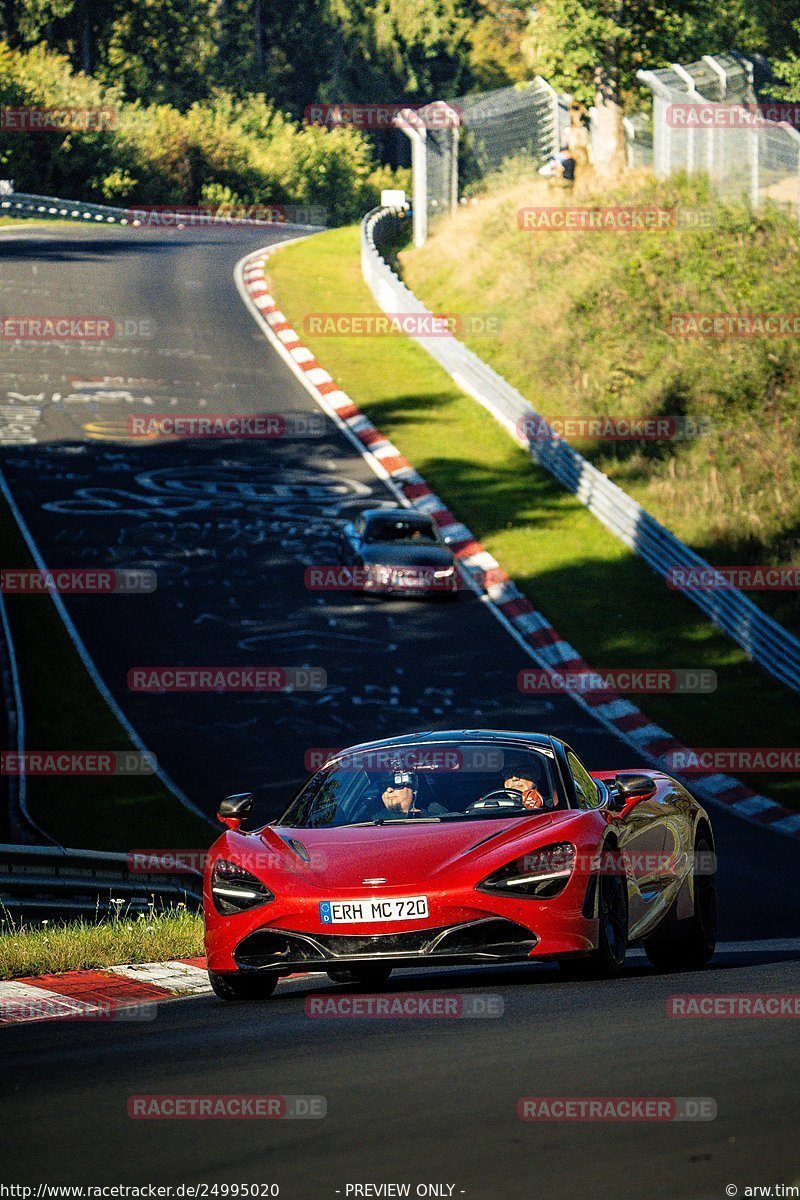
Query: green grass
(603, 599)
(64, 711)
(23, 222)
(52, 948)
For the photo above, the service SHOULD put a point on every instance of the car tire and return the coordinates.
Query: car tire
(242, 987)
(608, 959)
(689, 945)
(370, 977)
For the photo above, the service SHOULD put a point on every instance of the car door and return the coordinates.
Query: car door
(640, 836)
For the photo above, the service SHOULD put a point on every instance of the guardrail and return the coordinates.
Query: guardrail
(39, 882)
(763, 639)
(21, 204)
(18, 822)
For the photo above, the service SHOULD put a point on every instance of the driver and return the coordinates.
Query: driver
(400, 798)
(517, 777)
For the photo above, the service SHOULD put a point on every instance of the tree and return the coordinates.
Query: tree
(787, 70)
(593, 49)
(160, 51)
(496, 34)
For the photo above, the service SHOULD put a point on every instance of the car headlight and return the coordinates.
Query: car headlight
(542, 874)
(235, 890)
(378, 574)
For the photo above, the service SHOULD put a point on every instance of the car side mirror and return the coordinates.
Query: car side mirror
(630, 790)
(234, 809)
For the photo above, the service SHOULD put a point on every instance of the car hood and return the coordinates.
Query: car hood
(404, 854)
(396, 554)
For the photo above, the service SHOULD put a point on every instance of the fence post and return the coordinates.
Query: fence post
(694, 95)
(754, 149)
(413, 127)
(554, 102)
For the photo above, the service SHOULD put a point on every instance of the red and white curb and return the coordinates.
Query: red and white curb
(127, 993)
(531, 629)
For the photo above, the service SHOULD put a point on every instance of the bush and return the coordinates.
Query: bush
(222, 149)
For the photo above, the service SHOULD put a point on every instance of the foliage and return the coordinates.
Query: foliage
(787, 70)
(575, 42)
(223, 145)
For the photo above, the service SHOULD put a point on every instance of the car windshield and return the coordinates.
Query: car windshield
(439, 782)
(383, 529)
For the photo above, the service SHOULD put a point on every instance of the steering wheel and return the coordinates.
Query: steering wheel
(508, 799)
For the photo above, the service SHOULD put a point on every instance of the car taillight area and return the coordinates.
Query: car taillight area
(540, 875)
(235, 890)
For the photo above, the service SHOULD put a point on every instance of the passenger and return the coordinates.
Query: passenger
(400, 798)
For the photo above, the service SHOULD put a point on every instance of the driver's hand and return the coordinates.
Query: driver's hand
(533, 798)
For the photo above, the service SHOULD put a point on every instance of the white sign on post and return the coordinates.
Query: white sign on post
(393, 198)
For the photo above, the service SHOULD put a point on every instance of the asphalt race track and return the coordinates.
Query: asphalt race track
(229, 528)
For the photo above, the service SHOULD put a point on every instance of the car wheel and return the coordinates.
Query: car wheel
(690, 944)
(608, 959)
(242, 987)
(371, 977)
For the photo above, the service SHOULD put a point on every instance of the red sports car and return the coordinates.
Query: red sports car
(460, 847)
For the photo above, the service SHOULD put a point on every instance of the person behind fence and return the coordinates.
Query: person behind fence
(560, 170)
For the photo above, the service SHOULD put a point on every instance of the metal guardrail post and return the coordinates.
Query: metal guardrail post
(39, 881)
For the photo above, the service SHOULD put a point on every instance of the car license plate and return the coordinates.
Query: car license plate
(373, 910)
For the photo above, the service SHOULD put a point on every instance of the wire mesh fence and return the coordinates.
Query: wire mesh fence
(706, 117)
(526, 120)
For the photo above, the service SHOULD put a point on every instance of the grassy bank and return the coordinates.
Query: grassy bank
(585, 331)
(50, 949)
(64, 711)
(599, 595)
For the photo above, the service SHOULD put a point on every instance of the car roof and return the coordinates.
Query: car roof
(395, 514)
(542, 741)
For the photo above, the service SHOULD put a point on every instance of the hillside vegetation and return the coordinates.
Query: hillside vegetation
(585, 330)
